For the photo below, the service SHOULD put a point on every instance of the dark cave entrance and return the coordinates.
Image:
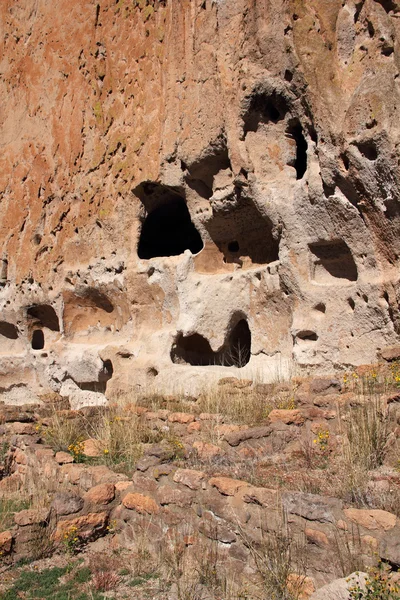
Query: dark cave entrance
(195, 349)
(38, 340)
(167, 229)
(45, 315)
(295, 130)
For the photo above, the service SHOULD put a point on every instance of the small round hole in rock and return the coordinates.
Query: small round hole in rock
(38, 340)
(351, 302)
(233, 246)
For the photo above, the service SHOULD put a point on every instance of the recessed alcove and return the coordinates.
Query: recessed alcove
(8, 330)
(263, 108)
(195, 349)
(45, 315)
(295, 131)
(167, 229)
(37, 342)
(332, 261)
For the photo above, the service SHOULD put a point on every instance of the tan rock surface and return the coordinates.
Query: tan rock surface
(197, 186)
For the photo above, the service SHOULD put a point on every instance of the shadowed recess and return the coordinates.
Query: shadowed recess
(45, 315)
(195, 349)
(263, 108)
(8, 330)
(167, 229)
(332, 260)
(243, 232)
(295, 131)
(38, 340)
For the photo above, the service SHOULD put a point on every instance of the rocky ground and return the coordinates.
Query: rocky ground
(246, 491)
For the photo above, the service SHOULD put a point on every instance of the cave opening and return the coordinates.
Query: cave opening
(45, 315)
(8, 330)
(264, 108)
(332, 260)
(167, 229)
(195, 349)
(295, 130)
(37, 340)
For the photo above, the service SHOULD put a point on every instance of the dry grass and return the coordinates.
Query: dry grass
(240, 402)
(120, 435)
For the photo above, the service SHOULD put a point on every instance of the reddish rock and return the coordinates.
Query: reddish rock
(190, 478)
(121, 486)
(226, 485)
(210, 417)
(182, 418)
(194, 427)
(300, 586)
(142, 504)
(103, 493)
(261, 496)
(224, 429)
(6, 540)
(289, 417)
(31, 516)
(371, 518)
(206, 451)
(88, 527)
(19, 457)
(63, 458)
(44, 453)
(314, 536)
(92, 448)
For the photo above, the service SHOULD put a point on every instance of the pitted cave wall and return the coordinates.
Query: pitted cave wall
(169, 165)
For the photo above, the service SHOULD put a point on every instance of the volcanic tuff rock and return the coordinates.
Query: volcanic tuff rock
(195, 184)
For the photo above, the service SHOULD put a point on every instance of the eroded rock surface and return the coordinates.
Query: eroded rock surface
(194, 184)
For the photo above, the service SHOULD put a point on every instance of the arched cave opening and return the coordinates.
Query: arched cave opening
(263, 108)
(239, 346)
(332, 260)
(295, 130)
(8, 330)
(167, 229)
(37, 340)
(195, 349)
(45, 315)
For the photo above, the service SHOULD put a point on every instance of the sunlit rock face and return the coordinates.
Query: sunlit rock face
(195, 187)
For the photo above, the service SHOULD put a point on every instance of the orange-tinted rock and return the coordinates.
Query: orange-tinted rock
(142, 504)
(372, 518)
(6, 540)
(92, 448)
(182, 418)
(289, 417)
(194, 427)
(64, 458)
(206, 451)
(31, 516)
(87, 527)
(103, 493)
(226, 485)
(300, 586)
(314, 536)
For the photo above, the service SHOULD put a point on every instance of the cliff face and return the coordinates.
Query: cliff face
(195, 183)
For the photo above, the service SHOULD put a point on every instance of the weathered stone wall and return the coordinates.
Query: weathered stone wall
(174, 172)
(180, 509)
